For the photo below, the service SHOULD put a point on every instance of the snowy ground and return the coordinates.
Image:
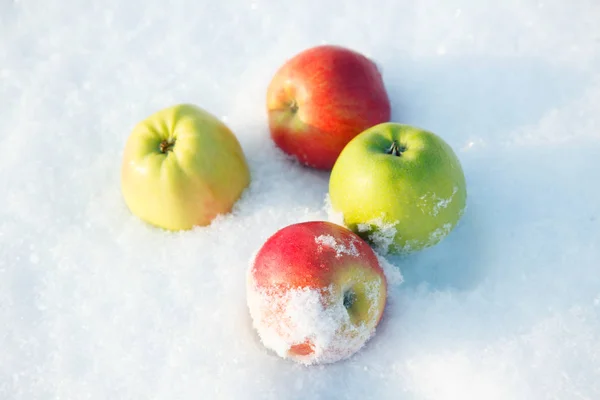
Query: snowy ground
(96, 305)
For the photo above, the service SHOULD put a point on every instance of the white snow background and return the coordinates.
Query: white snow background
(94, 304)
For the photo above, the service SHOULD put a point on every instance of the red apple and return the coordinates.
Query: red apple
(316, 292)
(322, 98)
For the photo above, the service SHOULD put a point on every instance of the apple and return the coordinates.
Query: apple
(182, 167)
(320, 99)
(400, 187)
(316, 292)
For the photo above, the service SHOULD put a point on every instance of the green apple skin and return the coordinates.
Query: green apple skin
(181, 168)
(400, 200)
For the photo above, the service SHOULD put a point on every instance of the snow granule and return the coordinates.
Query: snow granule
(439, 234)
(339, 247)
(431, 203)
(381, 234)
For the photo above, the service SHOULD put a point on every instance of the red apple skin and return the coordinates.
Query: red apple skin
(322, 98)
(292, 259)
(288, 258)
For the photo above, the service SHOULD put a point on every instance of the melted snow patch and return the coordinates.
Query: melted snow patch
(287, 318)
(430, 203)
(439, 234)
(443, 203)
(434, 237)
(339, 246)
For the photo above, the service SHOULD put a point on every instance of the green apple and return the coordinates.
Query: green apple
(400, 187)
(181, 168)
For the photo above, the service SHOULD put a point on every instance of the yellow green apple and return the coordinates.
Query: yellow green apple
(400, 187)
(182, 167)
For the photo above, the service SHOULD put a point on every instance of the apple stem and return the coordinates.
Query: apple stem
(396, 149)
(166, 145)
(293, 106)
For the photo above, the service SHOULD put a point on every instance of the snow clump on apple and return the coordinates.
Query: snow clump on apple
(308, 325)
(381, 234)
(339, 247)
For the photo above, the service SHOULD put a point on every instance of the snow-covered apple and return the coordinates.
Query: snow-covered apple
(320, 99)
(316, 292)
(181, 168)
(400, 187)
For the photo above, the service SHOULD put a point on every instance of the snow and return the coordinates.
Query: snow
(340, 247)
(439, 203)
(379, 232)
(94, 304)
(314, 319)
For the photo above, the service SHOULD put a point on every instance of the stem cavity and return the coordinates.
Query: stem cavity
(396, 149)
(293, 106)
(166, 145)
(349, 298)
